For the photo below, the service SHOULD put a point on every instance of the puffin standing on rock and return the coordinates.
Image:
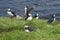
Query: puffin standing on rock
(52, 19)
(28, 29)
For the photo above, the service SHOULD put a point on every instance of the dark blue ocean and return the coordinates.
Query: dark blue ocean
(45, 8)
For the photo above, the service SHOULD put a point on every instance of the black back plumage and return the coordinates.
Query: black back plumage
(35, 16)
(13, 13)
(51, 19)
(30, 29)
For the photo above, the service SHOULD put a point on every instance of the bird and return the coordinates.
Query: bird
(36, 16)
(28, 28)
(28, 10)
(52, 19)
(11, 13)
(29, 17)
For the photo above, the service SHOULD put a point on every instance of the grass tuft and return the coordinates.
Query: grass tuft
(12, 29)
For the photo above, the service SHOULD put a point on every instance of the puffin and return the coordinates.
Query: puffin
(28, 10)
(29, 17)
(36, 16)
(11, 13)
(28, 28)
(52, 19)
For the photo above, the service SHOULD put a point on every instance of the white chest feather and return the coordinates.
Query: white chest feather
(27, 30)
(54, 19)
(37, 17)
(29, 18)
(10, 13)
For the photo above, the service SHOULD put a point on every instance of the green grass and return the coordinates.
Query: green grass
(12, 29)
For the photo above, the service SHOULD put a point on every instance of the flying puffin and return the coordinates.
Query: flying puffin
(11, 13)
(28, 29)
(52, 19)
(28, 10)
(36, 16)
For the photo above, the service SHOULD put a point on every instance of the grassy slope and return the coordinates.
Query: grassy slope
(13, 30)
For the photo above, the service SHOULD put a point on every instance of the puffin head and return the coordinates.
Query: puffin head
(9, 9)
